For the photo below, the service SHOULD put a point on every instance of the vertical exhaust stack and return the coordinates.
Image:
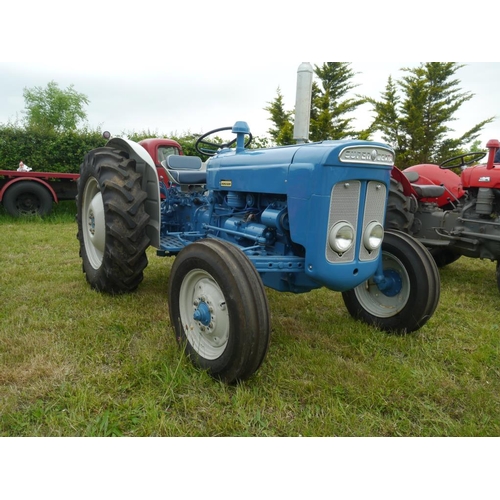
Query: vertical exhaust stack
(303, 103)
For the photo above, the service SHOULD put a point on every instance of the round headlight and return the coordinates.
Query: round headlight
(373, 236)
(341, 237)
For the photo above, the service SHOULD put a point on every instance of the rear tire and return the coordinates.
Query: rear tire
(219, 310)
(399, 214)
(411, 302)
(111, 221)
(25, 198)
(400, 217)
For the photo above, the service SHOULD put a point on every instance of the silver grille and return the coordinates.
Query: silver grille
(374, 211)
(344, 206)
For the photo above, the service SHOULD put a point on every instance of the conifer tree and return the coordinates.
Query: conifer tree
(282, 133)
(416, 122)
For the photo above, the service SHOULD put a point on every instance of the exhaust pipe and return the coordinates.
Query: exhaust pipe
(303, 103)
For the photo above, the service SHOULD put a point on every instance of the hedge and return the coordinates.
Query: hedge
(46, 152)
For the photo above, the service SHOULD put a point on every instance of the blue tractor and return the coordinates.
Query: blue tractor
(291, 218)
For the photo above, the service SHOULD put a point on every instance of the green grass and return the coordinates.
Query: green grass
(74, 362)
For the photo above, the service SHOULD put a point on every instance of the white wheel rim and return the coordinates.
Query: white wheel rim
(378, 304)
(199, 291)
(93, 223)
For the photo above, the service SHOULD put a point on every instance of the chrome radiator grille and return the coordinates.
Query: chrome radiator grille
(345, 205)
(374, 211)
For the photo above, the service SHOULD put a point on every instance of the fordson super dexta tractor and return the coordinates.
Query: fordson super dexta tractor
(291, 218)
(451, 214)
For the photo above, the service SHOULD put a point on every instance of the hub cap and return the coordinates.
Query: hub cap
(387, 303)
(204, 314)
(93, 223)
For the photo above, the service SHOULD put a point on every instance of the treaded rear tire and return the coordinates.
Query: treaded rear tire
(399, 214)
(111, 221)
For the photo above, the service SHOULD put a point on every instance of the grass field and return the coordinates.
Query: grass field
(74, 362)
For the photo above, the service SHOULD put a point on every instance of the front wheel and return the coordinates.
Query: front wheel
(409, 294)
(112, 221)
(218, 309)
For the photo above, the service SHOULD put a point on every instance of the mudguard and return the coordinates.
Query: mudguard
(150, 183)
(431, 174)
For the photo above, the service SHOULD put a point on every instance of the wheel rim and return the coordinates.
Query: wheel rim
(28, 204)
(381, 304)
(204, 314)
(93, 223)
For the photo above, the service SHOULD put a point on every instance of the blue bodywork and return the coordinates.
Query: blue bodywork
(278, 206)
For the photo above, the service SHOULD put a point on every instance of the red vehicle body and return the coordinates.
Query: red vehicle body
(451, 214)
(33, 193)
(159, 149)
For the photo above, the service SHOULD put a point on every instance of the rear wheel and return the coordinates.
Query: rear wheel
(218, 309)
(399, 209)
(400, 217)
(411, 292)
(27, 198)
(111, 221)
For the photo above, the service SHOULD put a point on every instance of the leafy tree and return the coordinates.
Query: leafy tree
(414, 114)
(54, 109)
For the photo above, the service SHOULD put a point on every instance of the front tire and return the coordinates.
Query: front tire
(111, 221)
(413, 297)
(219, 310)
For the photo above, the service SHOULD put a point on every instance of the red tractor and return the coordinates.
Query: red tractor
(452, 215)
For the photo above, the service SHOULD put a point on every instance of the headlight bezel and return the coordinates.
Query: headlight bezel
(341, 237)
(373, 236)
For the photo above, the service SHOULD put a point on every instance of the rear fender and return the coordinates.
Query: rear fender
(432, 174)
(405, 183)
(150, 183)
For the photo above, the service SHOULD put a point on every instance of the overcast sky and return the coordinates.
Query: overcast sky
(177, 67)
(179, 98)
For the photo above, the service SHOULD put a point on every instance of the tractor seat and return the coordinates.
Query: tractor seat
(428, 191)
(424, 190)
(185, 170)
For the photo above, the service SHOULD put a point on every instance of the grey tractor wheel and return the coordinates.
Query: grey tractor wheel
(219, 310)
(412, 292)
(27, 198)
(111, 221)
(399, 215)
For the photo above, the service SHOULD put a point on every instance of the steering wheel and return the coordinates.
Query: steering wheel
(473, 158)
(216, 145)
